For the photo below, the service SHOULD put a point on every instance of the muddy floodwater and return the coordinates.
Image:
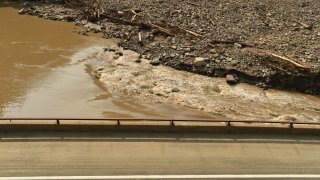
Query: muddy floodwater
(48, 70)
(45, 72)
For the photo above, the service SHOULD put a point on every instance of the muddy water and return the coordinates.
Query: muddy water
(45, 72)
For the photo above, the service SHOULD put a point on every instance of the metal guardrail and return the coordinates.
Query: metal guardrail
(172, 122)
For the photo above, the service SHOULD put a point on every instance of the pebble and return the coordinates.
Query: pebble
(175, 89)
(213, 51)
(215, 55)
(229, 59)
(119, 53)
(22, 11)
(120, 13)
(237, 45)
(155, 62)
(216, 88)
(232, 79)
(234, 62)
(138, 61)
(188, 54)
(200, 61)
(174, 47)
(187, 49)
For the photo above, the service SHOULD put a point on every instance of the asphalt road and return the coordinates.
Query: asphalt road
(96, 154)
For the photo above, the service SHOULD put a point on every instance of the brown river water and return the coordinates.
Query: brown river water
(45, 73)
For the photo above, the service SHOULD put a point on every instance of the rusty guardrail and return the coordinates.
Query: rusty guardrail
(172, 122)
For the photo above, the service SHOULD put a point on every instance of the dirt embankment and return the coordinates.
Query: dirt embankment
(262, 42)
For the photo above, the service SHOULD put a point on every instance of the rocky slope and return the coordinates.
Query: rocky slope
(269, 43)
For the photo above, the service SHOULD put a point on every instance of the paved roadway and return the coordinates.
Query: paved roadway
(96, 154)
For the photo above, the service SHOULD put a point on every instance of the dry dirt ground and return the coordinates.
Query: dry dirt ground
(268, 43)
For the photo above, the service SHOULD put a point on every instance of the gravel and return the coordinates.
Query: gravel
(234, 36)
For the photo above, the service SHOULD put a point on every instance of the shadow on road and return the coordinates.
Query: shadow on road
(156, 137)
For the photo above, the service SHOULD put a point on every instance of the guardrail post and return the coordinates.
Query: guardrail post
(228, 123)
(172, 123)
(291, 125)
(58, 121)
(118, 122)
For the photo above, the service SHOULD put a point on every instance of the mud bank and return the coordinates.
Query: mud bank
(126, 75)
(253, 39)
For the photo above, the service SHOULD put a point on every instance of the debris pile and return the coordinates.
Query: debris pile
(262, 42)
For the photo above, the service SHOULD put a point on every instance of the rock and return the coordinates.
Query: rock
(296, 29)
(154, 44)
(155, 62)
(84, 33)
(138, 61)
(232, 79)
(174, 47)
(237, 45)
(318, 34)
(215, 55)
(187, 49)
(229, 59)
(109, 49)
(304, 4)
(213, 51)
(188, 54)
(22, 11)
(307, 32)
(234, 62)
(119, 53)
(173, 55)
(216, 88)
(69, 18)
(262, 85)
(53, 18)
(200, 61)
(121, 13)
(97, 75)
(116, 56)
(93, 27)
(175, 89)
